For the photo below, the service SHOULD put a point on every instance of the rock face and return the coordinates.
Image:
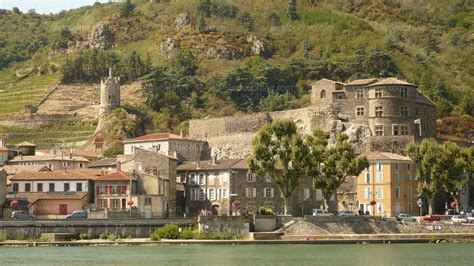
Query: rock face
(168, 47)
(258, 47)
(101, 37)
(182, 21)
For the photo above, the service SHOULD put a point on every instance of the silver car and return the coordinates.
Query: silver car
(22, 215)
(403, 217)
(346, 213)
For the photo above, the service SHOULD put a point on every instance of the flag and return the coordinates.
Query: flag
(417, 121)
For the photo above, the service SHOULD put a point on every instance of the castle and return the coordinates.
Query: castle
(378, 114)
(109, 94)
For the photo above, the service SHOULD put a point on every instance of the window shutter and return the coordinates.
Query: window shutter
(272, 192)
(254, 192)
(98, 190)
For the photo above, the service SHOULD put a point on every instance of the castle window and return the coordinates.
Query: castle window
(360, 111)
(339, 96)
(395, 130)
(378, 92)
(403, 92)
(403, 130)
(379, 130)
(322, 94)
(360, 94)
(403, 111)
(378, 111)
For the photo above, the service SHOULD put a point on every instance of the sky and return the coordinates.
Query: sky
(47, 6)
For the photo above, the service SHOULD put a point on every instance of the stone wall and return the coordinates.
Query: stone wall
(236, 224)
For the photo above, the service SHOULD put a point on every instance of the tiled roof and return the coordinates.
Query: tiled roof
(420, 98)
(362, 81)
(325, 79)
(372, 156)
(208, 165)
(3, 148)
(36, 158)
(158, 136)
(116, 176)
(25, 144)
(107, 162)
(73, 174)
(391, 81)
(12, 169)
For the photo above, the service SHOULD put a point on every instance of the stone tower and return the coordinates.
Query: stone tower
(109, 94)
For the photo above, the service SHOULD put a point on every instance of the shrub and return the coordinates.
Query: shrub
(169, 231)
(112, 237)
(21, 237)
(3, 237)
(263, 211)
(85, 236)
(187, 233)
(103, 236)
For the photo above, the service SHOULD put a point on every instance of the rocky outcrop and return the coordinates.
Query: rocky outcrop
(168, 47)
(101, 37)
(182, 21)
(258, 47)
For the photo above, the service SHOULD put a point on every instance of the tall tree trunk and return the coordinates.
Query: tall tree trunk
(286, 200)
(430, 204)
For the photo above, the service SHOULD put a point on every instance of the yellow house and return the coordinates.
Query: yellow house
(387, 186)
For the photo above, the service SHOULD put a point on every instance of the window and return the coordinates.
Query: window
(367, 177)
(39, 187)
(403, 92)
(368, 193)
(81, 165)
(397, 192)
(192, 179)
(212, 195)
(319, 194)
(251, 192)
(360, 111)
(396, 130)
(306, 193)
(403, 111)
(268, 192)
(202, 194)
(378, 92)
(202, 179)
(397, 166)
(115, 203)
(409, 177)
(339, 96)
(251, 177)
(360, 94)
(379, 166)
(66, 187)
(403, 130)
(379, 193)
(410, 208)
(409, 166)
(78, 187)
(379, 130)
(397, 176)
(379, 177)
(51, 187)
(225, 177)
(27, 187)
(114, 190)
(410, 193)
(378, 111)
(147, 201)
(322, 94)
(194, 194)
(15, 187)
(224, 193)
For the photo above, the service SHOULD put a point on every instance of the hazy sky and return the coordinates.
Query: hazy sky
(47, 6)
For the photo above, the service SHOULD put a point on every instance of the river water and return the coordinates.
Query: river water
(367, 254)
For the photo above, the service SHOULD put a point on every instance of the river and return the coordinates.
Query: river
(364, 254)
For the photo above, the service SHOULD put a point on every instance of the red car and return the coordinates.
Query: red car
(430, 218)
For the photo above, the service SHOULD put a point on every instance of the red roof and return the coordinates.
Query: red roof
(3, 148)
(116, 176)
(72, 174)
(157, 136)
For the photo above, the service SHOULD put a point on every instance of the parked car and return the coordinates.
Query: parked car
(319, 212)
(403, 217)
(346, 213)
(458, 219)
(79, 214)
(431, 218)
(22, 215)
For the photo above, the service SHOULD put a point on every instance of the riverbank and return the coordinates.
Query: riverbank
(315, 239)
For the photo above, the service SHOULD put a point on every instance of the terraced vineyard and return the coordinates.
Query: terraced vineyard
(68, 132)
(15, 93)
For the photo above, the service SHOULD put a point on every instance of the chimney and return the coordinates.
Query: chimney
(214, 159)
(118, 166)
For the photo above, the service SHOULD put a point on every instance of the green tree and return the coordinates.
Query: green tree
(292, 12)
(202, 27)
(246, 20)
(438, 166)
(127, 7)
(330, 166)
(278, 152)
(205, 7)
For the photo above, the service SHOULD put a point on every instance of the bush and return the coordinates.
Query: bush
(187, 233)
(169, 231)
(3, 237)
(85, 236)
(263, 211)
(103, 236)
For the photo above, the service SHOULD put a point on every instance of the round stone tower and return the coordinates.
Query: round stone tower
(392, 108)
(109, 94)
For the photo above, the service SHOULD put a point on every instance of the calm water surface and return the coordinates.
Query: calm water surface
(388, 254)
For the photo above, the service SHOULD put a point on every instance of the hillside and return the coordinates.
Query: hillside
(199, 58)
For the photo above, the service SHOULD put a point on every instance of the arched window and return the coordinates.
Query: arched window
(322, 94)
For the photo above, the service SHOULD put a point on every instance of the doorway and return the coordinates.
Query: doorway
(62, 209)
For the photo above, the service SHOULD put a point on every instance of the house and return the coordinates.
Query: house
(53, 162)
(388, 185)
(226, 187)
(114, 191)
(54, 192)
(11, 170)
(169, 144)
(89, 155)
(156, 182)
(104, 164)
